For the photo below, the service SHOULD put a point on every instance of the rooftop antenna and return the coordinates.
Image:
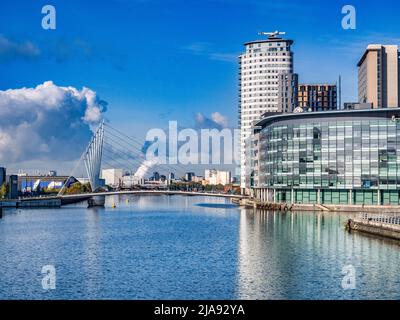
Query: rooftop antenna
(272, 35)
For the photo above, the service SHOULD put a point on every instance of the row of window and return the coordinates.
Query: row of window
(270, 65)
(271, 93)
(255, 87)
(360, 154)
(326, 196)
(259, 54)
(261, 106)
(268, 44)
(263, 71)
(264, 87)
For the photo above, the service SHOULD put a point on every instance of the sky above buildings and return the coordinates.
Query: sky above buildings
(157, 60)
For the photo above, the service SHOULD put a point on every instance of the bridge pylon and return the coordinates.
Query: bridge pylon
(92, 157)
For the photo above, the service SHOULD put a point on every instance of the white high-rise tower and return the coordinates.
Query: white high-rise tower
(260, 67)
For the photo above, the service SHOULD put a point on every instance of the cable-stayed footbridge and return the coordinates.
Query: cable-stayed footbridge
(110, 148)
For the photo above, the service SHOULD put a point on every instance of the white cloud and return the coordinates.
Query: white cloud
(219, 119)
(216, 120)
(47, 122)
(12, 49)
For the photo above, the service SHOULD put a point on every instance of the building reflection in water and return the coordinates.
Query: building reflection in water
(301, 256)
(92, 255)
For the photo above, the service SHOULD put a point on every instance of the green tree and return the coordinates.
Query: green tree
(3, 191)
(77, 188)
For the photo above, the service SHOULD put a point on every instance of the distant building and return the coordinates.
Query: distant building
(171, 176)
(189, 176)
(236, 176)
(216, 177)
(378, 76)
(208, 173)
(317, 97)
(131, 180)
(163, 178)
(287, 92)
(13, 187)
(28, 184)
(2, 175)
(198, 179)
(224, 177)
(356, 106)
(112, 177)
(156, 176)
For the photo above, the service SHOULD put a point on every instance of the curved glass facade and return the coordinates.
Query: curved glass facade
(330, 158)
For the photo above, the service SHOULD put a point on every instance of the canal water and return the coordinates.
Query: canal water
(178, 247)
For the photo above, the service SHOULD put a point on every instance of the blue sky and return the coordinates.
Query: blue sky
(154, 60)
(160, 60)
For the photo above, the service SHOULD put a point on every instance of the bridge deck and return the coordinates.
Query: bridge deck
(73, 198)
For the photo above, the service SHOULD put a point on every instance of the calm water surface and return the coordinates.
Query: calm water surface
(176, 247)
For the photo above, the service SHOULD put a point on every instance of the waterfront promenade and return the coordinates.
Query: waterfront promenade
(385, 225)
(284, 206)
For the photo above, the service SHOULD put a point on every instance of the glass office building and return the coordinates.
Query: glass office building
(337, 157)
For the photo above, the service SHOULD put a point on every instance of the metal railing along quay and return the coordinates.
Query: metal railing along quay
(389, 218)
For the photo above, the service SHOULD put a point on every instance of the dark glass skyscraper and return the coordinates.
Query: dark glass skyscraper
(2, 175)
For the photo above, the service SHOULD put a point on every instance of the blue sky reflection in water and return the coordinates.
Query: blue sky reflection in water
(169, 247)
